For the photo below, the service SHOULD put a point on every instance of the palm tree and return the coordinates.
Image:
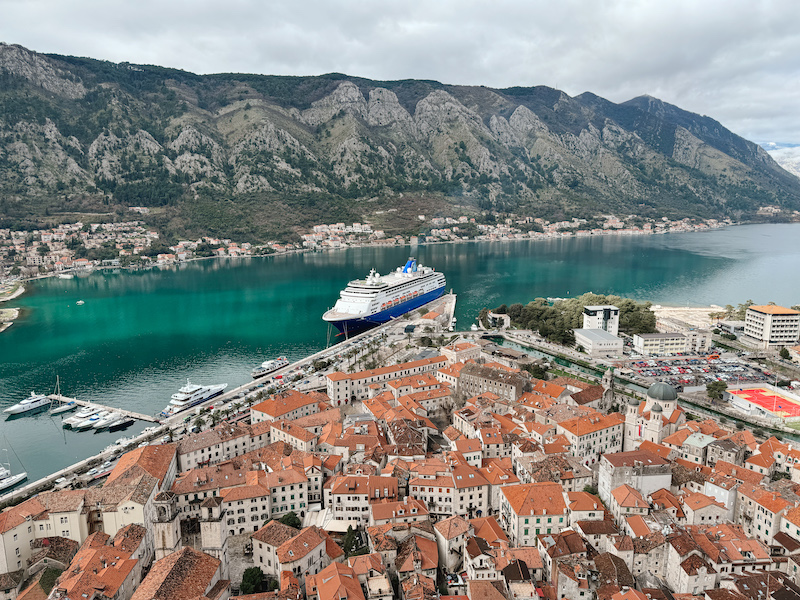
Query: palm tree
(199, 422)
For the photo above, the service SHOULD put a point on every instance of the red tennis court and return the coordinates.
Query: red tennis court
(780, 405)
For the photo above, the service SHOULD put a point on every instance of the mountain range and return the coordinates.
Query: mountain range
(260, 156)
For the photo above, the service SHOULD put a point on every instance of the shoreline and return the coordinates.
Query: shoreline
(16, 293)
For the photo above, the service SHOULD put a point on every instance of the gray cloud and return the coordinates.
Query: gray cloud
(733, 60)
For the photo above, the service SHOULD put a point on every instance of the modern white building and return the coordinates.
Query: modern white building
(597, 342)
(771, 326)
(659, 344)
(603, 316)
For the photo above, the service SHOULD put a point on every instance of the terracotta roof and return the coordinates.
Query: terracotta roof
(308, 540)
(156, 460)
(629, 497)
(535, 498)
(453, 527)
(334, 582)
(628, 459)
(694, 563)
(417, 549)
(485, 590)
(275, 533)
(583, 501)
(468, 445)
(366, 562)
(408, 507)
(285, 402)
(598, 527)
(182, 575)
(489, 529)
(697, 501)
(658, 449)
(741, 473)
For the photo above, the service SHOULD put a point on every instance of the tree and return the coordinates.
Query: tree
(784, 353)
(716, 389)
(349, 540)
(292, 520)
(252, 580)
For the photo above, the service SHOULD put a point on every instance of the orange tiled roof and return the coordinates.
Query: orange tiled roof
(155, 460)
(535, 498)
(771, 309)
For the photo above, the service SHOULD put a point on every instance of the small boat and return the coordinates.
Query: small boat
(63, 408)
(58, 406)
(33, 402)
(12, 480)
(8, 480)
(80, 303)
(65, 275)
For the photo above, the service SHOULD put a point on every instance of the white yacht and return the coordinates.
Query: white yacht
(191, 395)
(107, 420)
(8, 480)
(269, 366)
(80, 416)
(33, 402)
(91, 421)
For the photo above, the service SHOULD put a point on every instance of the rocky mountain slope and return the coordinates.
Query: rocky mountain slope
(264, 154)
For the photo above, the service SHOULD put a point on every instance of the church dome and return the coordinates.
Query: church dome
(633, 402)
(662, 391)
(656, 408)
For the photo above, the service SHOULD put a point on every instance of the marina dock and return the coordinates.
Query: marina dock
(122, 411)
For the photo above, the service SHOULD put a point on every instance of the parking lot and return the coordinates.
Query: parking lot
(687, 371)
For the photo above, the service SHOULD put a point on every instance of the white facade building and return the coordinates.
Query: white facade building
(603, 316)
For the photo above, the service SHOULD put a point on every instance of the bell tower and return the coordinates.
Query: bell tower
(213, 533)
(166, 525)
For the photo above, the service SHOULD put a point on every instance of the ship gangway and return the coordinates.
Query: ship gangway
(122, 411)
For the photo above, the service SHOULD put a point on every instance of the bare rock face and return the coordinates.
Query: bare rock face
(525, 121)
(439, 111)
(384, 110)
(687, 148)
(347, 98)
(39, 70)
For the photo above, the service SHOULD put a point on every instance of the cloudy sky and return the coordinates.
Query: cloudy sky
(737, 61)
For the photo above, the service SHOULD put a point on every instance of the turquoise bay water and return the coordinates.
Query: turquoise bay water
(140, 335)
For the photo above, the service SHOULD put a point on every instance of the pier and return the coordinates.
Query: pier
(122, 411)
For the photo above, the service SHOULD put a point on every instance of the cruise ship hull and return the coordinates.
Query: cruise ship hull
(356, 325)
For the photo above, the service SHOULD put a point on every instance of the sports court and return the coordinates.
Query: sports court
(778, 404)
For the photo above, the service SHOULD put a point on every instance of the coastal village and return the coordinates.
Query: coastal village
(454, 474)
(66, 248)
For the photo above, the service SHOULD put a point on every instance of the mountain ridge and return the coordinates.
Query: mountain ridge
(84, 135)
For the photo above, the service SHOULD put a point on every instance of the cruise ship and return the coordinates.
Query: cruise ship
(190, 395)
(269, 366)
(365, 303)
(33, 402)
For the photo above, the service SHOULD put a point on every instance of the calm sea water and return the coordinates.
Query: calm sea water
(140, 335)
